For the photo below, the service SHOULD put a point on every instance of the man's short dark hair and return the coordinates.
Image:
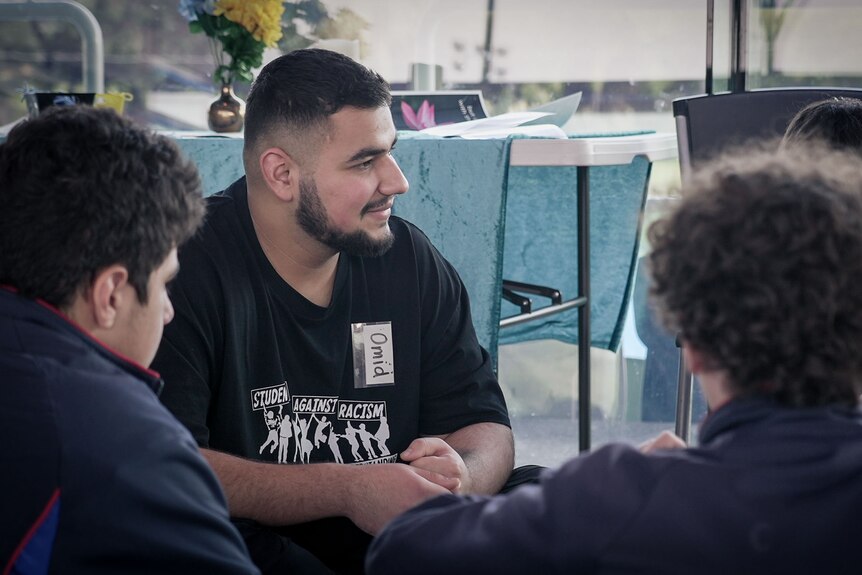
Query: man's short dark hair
(304, 87)
(760, 268)
(837, 121)
(82, 189)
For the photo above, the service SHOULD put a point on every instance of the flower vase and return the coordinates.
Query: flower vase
(228, 112)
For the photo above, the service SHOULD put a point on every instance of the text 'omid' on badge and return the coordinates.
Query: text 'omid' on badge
(373, 358)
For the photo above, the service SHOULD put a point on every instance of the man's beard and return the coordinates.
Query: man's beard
(312, 217)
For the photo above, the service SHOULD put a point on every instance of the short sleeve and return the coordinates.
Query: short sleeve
(459, 386)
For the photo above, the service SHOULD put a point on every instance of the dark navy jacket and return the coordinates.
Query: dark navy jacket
(770, 490)
(95, 475)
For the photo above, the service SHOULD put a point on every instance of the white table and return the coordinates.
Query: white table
(584, 153)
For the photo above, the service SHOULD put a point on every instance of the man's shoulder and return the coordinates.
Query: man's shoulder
(223, 207)
(114, 418)
(226, 198)
(221, 237)
(403, 229)
(87, 403)
(57, 357)
(103, 391)
(409, 236)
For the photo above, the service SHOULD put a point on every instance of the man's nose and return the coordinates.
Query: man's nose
(392, 180)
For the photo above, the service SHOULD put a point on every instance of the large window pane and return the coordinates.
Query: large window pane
(804, 43)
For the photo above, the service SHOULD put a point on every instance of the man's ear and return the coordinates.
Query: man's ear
(109, 294)
(280, 172)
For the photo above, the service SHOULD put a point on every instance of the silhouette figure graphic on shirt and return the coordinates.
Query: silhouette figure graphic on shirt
(350, 436)
(272, 422)
(303, 444)
(285, 431)
(366, 437)
(320, 432)
(333, 445)
(382, 435)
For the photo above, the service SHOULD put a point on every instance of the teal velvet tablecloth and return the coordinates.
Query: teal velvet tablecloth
(494, 221)
(541, 246)
(457, 197)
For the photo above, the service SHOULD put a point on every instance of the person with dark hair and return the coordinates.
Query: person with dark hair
(303, 293)
(837, 121)
(759, 269)
(98, 477)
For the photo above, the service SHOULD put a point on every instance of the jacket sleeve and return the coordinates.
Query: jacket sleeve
(560, 525)
(165, 513)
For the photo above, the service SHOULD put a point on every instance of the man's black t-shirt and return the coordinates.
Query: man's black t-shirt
(253, 368)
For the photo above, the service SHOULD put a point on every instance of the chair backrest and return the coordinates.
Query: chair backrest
(706, 125)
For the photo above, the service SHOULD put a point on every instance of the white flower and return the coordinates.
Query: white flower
(191, 8)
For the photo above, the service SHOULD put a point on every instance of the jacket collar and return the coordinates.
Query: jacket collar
(741, 412)
(41, 311)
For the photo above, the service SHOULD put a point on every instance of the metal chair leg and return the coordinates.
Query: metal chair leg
(685, 383)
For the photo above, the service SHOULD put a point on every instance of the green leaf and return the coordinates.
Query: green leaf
(244, 51)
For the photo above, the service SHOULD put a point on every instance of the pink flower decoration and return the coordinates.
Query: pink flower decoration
(422, 118)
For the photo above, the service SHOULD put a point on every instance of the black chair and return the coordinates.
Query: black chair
(708, 124)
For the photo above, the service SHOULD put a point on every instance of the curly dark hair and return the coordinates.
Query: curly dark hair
(760, 268)
(82, 189)
(837, 121)
(303, 88)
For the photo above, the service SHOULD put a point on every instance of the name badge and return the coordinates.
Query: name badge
(373, 358)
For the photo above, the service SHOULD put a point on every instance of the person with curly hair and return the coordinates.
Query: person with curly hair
(759, 268)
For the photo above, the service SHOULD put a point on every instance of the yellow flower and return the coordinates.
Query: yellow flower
(262, 18)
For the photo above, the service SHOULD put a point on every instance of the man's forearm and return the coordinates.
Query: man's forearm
(488, 451)
(275, 494)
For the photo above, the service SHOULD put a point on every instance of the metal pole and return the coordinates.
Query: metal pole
(489, 31)
(710, 39)
(584, 340)
(92, 48)
(685, 383)
(738, 45)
